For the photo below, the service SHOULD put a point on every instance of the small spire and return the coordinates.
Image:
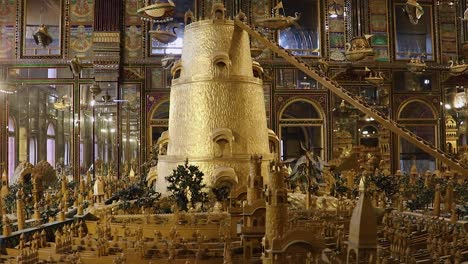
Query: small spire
(362, 184)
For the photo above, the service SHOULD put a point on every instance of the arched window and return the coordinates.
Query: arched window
(11, 148)
(369, 136)
(51, 144)
(416, 110)
(161, 112)
(420, 118)
(159, 121)
(301, 121)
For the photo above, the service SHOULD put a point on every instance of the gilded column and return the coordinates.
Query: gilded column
(20, 209)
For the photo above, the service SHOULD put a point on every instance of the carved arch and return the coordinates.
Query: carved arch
(222, 64)
(189, 17)
(176, 70)
(257, 70)
(223, 139)
(224, 176)
(218, 12)
(163, 143)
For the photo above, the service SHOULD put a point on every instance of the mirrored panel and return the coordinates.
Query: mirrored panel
(289, 78)
(303, 38)
(42, 28)
(413, 39)
(98, 129)
(130, 116)
(408, 81)
(411, 155)
(40, 73)
(41, 126)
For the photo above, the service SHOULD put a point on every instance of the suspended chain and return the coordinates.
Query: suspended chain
(357, 102)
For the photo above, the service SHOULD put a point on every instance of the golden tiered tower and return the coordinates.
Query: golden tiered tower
(217, 114)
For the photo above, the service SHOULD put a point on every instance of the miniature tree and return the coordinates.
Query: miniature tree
(140, 193)
(186, 185)
(386, 184)
(307, 172)
(221, 194)
(419, 196)
(339, 188)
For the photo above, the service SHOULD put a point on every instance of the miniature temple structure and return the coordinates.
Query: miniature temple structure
(214, 80)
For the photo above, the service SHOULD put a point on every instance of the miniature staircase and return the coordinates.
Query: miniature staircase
(356, 102)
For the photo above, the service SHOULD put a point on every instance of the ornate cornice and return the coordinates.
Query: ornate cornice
(106, 37)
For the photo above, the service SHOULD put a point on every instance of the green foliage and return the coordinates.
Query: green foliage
(355, 190)
(10, 199)
(140, 193)
(221, 193)
(420, 197)
(149, 199)
(307, 172)
(186, 185)
(386, 184)
(137, 194)
(461, 194)
(49, 211)
(339, 188)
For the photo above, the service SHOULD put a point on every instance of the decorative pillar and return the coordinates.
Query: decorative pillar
(6, 225)
(20, 209)
(437, 201)
(37, 214)
(61, 214)
(449, 196)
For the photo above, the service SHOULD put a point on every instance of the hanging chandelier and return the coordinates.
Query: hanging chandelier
(158, 11)
(8, 88)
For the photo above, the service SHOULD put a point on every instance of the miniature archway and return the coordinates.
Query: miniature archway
(163, 143)
(223, 139)
(224, 176)
(369, 136)
(416, 109)
(176, 70)
(218, 12)
(301, 120)
(257, 70)
(300, 247)
(158, 120)
(419, 117)
(221, 64)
